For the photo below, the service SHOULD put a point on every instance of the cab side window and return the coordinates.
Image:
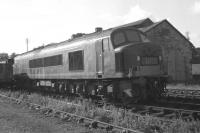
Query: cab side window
(106, 46)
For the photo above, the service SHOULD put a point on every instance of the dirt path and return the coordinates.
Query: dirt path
(19, 119)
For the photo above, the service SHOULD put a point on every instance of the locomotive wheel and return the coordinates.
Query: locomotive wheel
(126, 100)
(154, 91)
(138, 95)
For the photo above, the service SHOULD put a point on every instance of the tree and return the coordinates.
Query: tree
(13, 55)
(77, 35)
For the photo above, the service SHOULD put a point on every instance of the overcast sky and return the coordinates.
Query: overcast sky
(48, 21)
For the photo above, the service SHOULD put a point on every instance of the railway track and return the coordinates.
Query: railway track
(167, 113)
(66, 115)
(166, 109)
(183, 93)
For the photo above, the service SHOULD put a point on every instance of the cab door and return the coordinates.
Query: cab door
(99, 57)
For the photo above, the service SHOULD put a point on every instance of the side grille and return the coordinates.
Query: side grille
(149, 61)
(118, 62)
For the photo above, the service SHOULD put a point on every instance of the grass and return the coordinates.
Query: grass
(117, 116)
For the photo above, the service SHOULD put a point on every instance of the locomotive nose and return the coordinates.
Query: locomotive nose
(141, 60)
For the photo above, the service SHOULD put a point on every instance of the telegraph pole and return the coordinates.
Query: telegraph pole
(27, 44)
(187, 33)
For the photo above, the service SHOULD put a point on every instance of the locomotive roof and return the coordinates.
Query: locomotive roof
(89, 36)
(136, 24)
(94, 35)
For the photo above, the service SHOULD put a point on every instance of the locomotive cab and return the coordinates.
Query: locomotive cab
(138, 62)
(135, 55)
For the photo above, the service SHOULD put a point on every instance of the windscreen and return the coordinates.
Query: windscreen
(119, 38)
(132, 36)
(123, 37)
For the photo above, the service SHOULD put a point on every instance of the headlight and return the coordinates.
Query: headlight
(160, 58)
(138, 58)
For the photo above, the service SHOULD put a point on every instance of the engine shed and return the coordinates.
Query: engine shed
(177, 49)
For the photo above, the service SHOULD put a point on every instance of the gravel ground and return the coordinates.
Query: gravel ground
(16, 118)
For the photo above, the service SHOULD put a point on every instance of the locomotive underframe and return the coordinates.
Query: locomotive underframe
(126, 90)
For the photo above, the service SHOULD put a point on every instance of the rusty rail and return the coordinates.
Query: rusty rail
(183, 93)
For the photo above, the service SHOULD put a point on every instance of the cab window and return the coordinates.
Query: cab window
(125, 37)
(106, 44)
(132, 36)
(119, 38)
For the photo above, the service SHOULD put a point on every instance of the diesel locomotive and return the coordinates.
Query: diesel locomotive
(118, 63)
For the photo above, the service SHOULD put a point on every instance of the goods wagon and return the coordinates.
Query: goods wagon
(6, 72)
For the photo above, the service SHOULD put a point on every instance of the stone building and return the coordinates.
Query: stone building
(177, 49)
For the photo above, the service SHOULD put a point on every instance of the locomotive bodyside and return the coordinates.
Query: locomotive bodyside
(84, 48)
